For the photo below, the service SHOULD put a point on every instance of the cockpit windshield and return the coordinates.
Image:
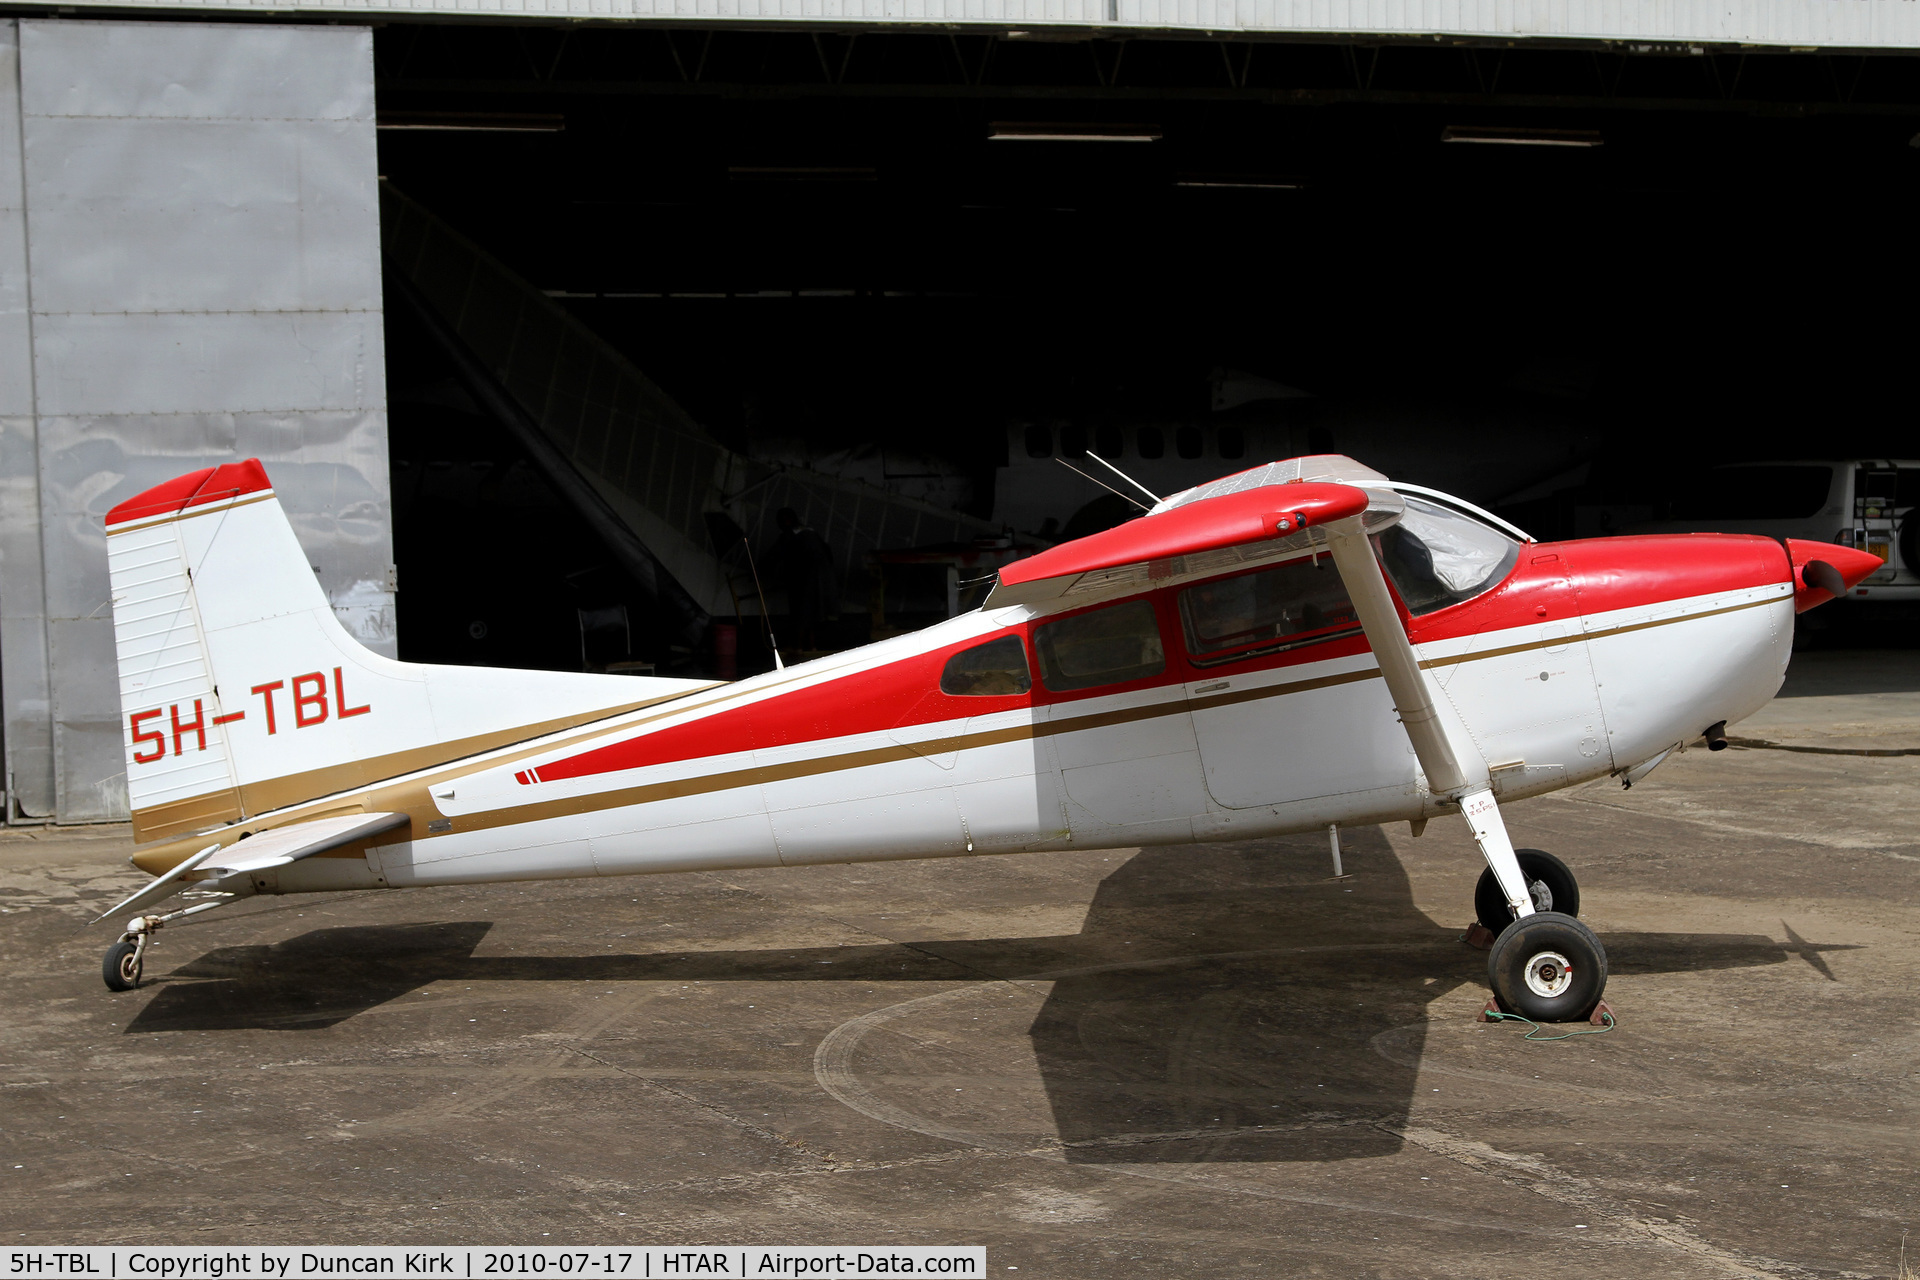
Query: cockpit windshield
(1439, 557)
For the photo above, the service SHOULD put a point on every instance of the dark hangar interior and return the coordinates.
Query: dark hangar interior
(1559, 281)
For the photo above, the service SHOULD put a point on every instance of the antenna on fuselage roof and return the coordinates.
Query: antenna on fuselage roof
(766, 619)
(1124, 476)
(1102, 483)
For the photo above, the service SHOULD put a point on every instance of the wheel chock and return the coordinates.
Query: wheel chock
(1479, 937)
(1602, 1015)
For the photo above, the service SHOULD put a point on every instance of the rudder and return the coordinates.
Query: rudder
(241, 692)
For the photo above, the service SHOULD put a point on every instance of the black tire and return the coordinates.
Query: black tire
(121, 968)
(1563, 891)
(1567, 964)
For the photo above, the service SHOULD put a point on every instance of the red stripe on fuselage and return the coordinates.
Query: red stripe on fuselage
(1564, 579)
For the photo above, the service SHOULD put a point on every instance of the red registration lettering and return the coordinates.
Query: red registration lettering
(309, 709)
(266, 691)
(340, 708)
(198, 728)
(154, 736)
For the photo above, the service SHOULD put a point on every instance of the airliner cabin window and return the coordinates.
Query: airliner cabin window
(1438, 557)
(1107, 646)
(1256, 612)
(998, 667)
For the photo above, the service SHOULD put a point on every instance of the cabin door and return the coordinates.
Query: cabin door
(1320, 725)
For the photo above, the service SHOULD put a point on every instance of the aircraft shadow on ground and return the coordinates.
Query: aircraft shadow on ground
(1217, 1004)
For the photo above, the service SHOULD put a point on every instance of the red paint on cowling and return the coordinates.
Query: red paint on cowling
(1601, 575)
(1229, 520)
(1639, 570)
(197, 488)
(1852, 564)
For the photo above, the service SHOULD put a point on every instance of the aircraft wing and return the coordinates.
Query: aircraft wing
(1207, 534)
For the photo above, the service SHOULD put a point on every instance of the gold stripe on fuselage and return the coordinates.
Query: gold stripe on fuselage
(412, 796)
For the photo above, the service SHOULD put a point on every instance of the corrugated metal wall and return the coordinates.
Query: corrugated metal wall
(189, 274)
(1834, 24)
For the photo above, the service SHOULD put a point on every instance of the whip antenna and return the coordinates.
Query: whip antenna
(1102, 483)
(1124, 476)
(766, 619)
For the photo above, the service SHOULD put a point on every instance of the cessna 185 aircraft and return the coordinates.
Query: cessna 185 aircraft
(1300, 645)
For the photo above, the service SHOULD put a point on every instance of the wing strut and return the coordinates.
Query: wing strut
(1367, 587)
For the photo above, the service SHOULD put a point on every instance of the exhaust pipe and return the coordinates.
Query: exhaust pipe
(1716, 735)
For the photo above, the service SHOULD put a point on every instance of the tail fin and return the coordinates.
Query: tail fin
(242, 693)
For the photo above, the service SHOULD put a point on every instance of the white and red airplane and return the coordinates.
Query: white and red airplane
(1301, 645)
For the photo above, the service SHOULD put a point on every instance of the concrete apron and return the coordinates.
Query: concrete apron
(1163, 1061)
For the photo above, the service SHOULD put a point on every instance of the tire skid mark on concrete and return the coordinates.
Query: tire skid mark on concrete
(1533, 1174)
(1389, 1044)
(835, 1071)
(719, 1112)
(507, 1081)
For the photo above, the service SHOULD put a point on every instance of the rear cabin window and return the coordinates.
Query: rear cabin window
(1256, 612)
(1106, 646)
(996, 668)
(1439, 557)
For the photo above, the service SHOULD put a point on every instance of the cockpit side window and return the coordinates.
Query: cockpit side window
(1106, 646)
(1255, 612)
(1437, 557)
(996, 668)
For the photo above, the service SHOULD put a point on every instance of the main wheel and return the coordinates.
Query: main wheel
(121, 968)
(1553, 886)
(1548, 967)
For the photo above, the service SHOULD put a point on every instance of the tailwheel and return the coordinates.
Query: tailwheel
(122, 965)
(1548, 879)
(1548, 967)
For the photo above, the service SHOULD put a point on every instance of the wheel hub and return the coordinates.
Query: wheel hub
(1549, 974)
(1542, 896)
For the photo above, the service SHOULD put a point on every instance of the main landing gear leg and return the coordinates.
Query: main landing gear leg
(1545, 965)
(125, 959)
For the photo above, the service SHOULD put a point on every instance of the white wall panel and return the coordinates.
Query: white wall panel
(196, 362)
(190, 71)
(187, 215)
(26, 732)
(195, 267)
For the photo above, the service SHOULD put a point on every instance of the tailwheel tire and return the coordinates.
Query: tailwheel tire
(121, 968)
(1548, 967)
(1551, 882)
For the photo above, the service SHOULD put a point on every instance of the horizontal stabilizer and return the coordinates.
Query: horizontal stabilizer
(165, 887)
(283, 845)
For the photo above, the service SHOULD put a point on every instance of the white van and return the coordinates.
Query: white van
(1865, 503)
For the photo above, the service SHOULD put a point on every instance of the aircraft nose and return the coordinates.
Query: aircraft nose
(1824, 570)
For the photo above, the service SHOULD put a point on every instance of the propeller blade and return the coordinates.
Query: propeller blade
(1820, 574)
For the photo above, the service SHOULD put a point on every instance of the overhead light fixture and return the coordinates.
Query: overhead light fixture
(471, 121)
(801, 173)
(1501, 136)
(1240, 182)
(1026, 131)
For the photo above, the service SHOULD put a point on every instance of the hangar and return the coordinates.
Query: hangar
(542, 313)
